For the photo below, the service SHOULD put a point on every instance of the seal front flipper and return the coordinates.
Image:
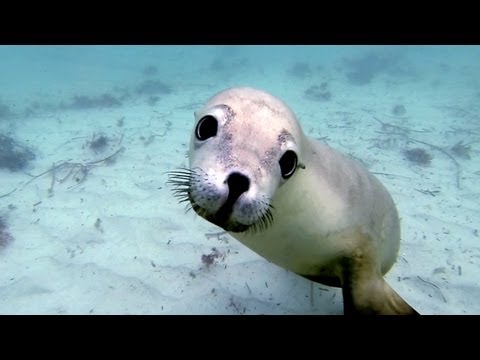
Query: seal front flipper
(364, 289)
(383, 300)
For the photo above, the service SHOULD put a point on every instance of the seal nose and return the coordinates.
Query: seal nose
(237, 185)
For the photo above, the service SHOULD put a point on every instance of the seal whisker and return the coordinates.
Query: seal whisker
(264, 219)
(181, 180)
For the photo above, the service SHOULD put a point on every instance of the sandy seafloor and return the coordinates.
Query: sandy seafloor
(117, 241)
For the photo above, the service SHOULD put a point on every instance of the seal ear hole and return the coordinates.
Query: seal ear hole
(288, 164)
(206, 128)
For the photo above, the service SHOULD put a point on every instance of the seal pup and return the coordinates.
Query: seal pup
(291, 199)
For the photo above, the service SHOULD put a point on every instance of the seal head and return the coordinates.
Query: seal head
(236, 164)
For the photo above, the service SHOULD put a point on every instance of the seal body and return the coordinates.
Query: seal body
(293, 200)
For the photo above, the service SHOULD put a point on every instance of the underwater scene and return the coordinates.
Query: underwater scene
(90, 135)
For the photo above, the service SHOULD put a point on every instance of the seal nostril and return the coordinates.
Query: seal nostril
(237, 185)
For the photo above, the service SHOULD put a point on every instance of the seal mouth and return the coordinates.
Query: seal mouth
(182, 180)
(219, 220)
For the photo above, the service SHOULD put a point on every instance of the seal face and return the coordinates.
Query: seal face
(232, 179)
(291, 199)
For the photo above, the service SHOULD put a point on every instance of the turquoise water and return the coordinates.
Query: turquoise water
(119, 220)
(33, 72)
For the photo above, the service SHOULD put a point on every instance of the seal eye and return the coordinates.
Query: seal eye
(206, 128)
(288, 164)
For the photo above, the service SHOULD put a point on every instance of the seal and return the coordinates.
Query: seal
(293, 200)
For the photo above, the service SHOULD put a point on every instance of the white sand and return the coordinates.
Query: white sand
(144, 257)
